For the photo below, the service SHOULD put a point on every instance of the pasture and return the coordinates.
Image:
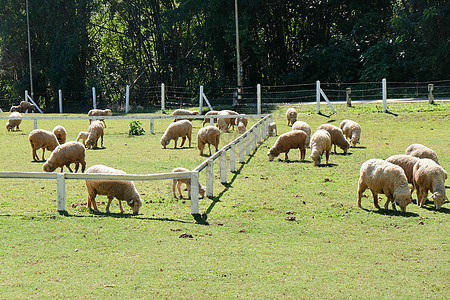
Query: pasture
(275, 230)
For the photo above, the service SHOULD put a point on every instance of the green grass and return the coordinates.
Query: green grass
(248, 249)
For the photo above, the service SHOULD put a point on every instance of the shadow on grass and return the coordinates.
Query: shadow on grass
(342, 153)
(443, 210)
(388, 212)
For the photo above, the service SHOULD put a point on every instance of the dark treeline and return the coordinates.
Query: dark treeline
(111, 43)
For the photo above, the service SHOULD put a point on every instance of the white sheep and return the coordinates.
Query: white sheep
(176, 130)
(208, 135)
(272, 129)
(337, 137)
(187, 182)
(383, 177)
(95, 131)
(183, 112)
(421, 151)
(210, 113)
(233, 121)
(82, 136)
(242, 122)
(320, 143)
(42, 139)
(429, 176)
(291, 116)
(64, 155)
(11, 124)
(120, 189)
(99, 112)
(223, 123)
(60, 133)
(406, 162)
(351, 130)
(290, 140)
(300, 125)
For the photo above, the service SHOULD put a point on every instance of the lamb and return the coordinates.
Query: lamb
(99, 112)
(183, 112)
(287, 141)
(406, 162)
(25, 105)
(60, 133)
(291, 115)
(82, 136)
(223, 123)
(320, 143)
(95, 131)
(64, 155)
(300, 125)
(120, 189)
(429, 176)
(351, 130)
(242, 124)
(11, 124)
(272, 129)
(187, 182)
(15, 108)
(179, 129)
(208, 135)
(337, 137)
(383, 177)
(421, 151)
(210, 113)
(40, 138)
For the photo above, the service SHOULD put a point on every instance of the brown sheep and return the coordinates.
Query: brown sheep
(99, 112)
(337, 137)
(290, 140)
(42, 139)
(64, 155)
(208, 135)
(187, 182)
(95, 131)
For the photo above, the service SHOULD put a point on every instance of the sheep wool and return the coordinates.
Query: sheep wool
(60, 133)
(99, 112)
(27, 106)
(223, 123)
(406, 162)
(291, 116)
(290, 140)
(233, 121)
(337, 137)
(187, 182)
(210, 113)
(272, 129)
(422, 151)
(208, 135)
(320, 143)
(95, 131)
(183, 112)
(176, 130)
(64, 155)
(11, 124)
(351, 130)
(429, 176)
(300, 125)
(82, 136)
(242, 124)
(42, 139)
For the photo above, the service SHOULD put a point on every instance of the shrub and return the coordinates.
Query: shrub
(135, 128)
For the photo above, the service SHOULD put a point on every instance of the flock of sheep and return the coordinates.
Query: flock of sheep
(419, 166)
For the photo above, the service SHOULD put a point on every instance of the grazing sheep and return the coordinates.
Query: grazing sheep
(11, 124)
(383, 177)
(223, 123)
(210, 113)
(60, 133)
(95, 131)
(242, 124)
(187, 182)
(183, 112)
(429, 176)
(179, 129)
(64, 155)
(406, 162)
(320, 143)
(287, 141)
(25, 105)
(208, 135)
(351, 130)
(82, 136)
(40, 138)
(233, 121)
(337, 137)
(272, 129)
(99, 112)
(15, 108)
(421, 151)
(300, 125)
(291, 116)
(121, 189)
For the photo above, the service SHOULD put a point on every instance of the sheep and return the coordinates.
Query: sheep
(429, 176)
(233, 121)
(120, 189)
(320, 143)
(176, 130)
(272, 129)
(337, 137)
(64, 155)
(15, 108)
(183, 112)
(208, 135)
(60, 133)
(187, 182)
(25, 105)
(95, 131)
(40, 138)
(351, 130)
(383, 177)
(287, 141)
(99, 112)
(300, 125)
(223, 123)
(406, 162)
(421, 151)
(291, 115)
(210, 113)
(11, 124)
(82, 136)
(242, 124)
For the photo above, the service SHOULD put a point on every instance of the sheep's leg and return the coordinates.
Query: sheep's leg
(68, 167)
(209, 147)
(34, 155)
(179, 189)
(361, 188)
(375, 200)
(77, 165)
(174, 183)
(43, 151)
(302, 154)
(389, 199)
(83, 166)
(327, 156)
(189, 138)
(176, 139)
(120, 207)
(91, 202)
(109, 203)
(101, 142)
(286, 155)
(183, 139)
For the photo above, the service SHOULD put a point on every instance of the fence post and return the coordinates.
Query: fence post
(431, 93)
(200, 101)
(152, 126)
(254, 138)
(317, 96)
(210, 178)
(35, 124)
(241, 150)
(258, 99)
(163, 97)
(264, 129)
(348, 95)
(384, 93)
(258, 133)
(247, 143)
(233, 158)
(26, 95)
(223, 167)
(61, 192)
(194, 193)
(94, 98)
(60, 101)
(127, 99)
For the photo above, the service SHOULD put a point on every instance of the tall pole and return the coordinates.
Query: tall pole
(238, 56)
(29, 52)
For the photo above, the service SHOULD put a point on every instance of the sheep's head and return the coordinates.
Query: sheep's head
(241, 128)
(8, 127)
(202, 190)
(164, 142)
(438, 199)
(315, 156)
(402, 200)
(48, 166)
(135, 203)
(89, 143)
(108, 112)
(272, 154)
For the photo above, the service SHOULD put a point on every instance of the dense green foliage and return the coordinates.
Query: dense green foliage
(111, 43)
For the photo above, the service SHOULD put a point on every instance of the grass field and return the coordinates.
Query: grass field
(247, 248)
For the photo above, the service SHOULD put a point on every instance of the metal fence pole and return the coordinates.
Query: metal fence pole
(384, 93)
(200, 101)
(152, 126)
(94, 98)
(258, 99)
(60, 101)
(317, 96)
(127, 99)
(163, 97)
